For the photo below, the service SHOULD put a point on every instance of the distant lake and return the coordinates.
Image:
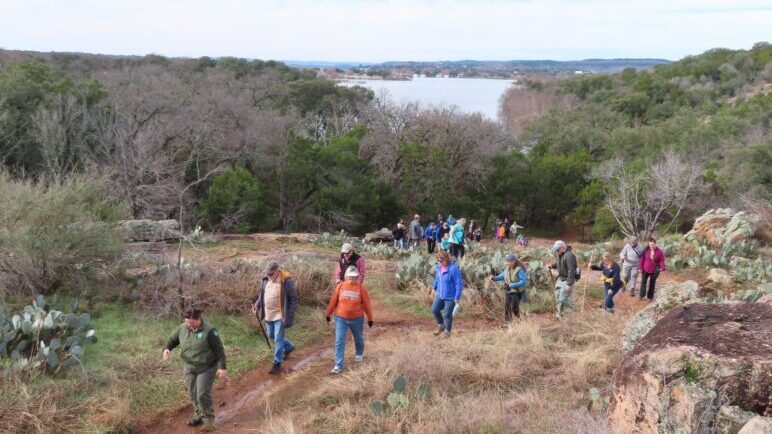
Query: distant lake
(469, 94)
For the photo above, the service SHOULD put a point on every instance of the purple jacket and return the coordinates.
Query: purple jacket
(343, 264)
(650, 266)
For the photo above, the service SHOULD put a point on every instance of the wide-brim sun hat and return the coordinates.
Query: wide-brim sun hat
(559, 244)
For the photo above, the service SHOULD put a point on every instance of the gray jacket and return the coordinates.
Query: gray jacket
(631, 255)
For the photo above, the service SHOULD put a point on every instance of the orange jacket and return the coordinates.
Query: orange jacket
(350, 300)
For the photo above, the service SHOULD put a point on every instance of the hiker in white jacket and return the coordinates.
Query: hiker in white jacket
(630, 258)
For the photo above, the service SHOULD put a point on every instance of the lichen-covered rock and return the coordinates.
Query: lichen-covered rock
(757, 425)
(638, 327)
(380, 235)
(667, 297)
(725, 226)
(697, 358)
(149, 230)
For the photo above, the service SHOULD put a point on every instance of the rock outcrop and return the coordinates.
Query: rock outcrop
(149, 230)
(380, 235)
(725, 226)
(696, 360)
(667, 297)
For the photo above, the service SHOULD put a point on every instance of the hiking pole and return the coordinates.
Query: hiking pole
(265, 335)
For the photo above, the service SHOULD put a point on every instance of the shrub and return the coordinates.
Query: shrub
(235, 201)
(54, 234)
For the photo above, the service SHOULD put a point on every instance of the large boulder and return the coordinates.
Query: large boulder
(696, 359)
(725, 226)
(378, 236)
(149, 230)
(666, 298)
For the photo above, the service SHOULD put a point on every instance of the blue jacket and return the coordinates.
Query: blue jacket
(449, 284)
(522, 279)
(430, 233)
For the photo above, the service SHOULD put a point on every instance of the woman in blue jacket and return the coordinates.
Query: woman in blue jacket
(611, 280)
(448, 285)
(515, 280)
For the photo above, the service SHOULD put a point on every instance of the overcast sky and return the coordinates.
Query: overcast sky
(380, 30)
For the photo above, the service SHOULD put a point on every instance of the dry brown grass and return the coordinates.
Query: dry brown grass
(526, 379)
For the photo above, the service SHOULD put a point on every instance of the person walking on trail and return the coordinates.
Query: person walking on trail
(416, 232)
(347, 259)
(652, 263)
(447, 288)
(515, 279)
(477, 234)
(506, 227)
(612, 282)
(501, 234)
(399, 236)
(350, 302)
(277, 303)
(631, 262)
(445, 243)
(442, 230)
(431, 237)
(203, 355)
(457, 239)
(567, 271)
(513, 229)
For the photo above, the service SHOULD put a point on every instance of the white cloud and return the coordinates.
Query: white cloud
(372, 30)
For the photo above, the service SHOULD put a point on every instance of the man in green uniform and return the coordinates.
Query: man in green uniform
(203, 354)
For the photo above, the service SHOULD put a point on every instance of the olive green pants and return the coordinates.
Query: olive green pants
(200, 390)
(563, 301)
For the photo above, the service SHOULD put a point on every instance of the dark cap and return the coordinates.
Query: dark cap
(192, 313)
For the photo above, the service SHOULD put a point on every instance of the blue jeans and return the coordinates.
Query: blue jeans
(357, 327)
(610, 293)
(443, 312)
(280, 343)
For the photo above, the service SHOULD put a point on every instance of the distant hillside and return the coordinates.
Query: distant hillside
(598, 65)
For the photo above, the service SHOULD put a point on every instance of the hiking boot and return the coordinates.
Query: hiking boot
(196, 421)
(445, 335)
(208, 425)
(275, 369)
(337, 370)
(358, 358)
(439, 330)
(287, 353)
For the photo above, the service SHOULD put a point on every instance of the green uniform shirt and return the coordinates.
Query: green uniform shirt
(200, 349)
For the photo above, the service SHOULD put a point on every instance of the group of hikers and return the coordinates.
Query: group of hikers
(450, 234)
(277, 301)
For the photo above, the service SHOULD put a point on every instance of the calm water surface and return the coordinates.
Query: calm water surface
(469, 94)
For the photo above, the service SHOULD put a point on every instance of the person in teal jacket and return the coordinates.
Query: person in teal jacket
(515, 280)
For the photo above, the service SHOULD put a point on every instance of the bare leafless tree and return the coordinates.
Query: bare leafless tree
(640, 201)
(524, 103)
(61, 129)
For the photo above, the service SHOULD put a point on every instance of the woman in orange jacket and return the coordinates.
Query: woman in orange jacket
(350, 302)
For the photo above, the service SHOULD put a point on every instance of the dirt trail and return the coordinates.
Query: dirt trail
(242, 405)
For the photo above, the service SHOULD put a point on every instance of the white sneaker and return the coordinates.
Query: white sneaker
(337, 370)
(358, 358)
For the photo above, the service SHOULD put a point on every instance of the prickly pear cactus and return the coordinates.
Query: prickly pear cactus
(36, 339)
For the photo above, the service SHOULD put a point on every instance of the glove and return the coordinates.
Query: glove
(328, 318)
(369, 324)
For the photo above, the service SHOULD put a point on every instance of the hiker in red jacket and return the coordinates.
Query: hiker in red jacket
(652, 263)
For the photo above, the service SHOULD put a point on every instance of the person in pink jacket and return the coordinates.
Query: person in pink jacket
(347, 259)
(652, 263)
